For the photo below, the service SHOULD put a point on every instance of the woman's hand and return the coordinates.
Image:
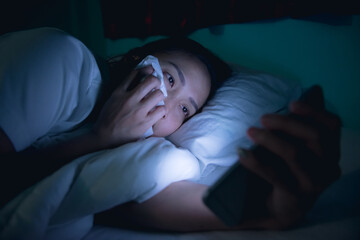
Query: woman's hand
(130, 110)
(307, 142)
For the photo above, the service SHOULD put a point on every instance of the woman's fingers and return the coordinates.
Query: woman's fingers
(290, 154)
(152, 99)
(289, 125)
(148, 86)
(136, 77)
(305, 132)
(131, 109)
(121, 88)
(156, 114)
(325, 118)
(270, 141)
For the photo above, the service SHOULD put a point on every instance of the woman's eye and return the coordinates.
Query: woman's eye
(170, 79)
(185, 110)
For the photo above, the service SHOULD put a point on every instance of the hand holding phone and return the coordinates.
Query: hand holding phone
(278, 187)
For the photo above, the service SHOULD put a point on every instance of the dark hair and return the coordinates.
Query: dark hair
(217, 68)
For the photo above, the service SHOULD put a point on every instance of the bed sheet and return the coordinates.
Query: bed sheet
(336, 214)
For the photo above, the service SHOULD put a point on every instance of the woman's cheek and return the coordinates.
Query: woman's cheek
(166, 126)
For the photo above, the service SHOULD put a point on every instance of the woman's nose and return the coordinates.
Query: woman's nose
(169, 105)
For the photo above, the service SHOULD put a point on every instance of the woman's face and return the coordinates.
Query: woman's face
(187, 82)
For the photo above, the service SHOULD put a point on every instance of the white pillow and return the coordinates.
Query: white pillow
(215, 134)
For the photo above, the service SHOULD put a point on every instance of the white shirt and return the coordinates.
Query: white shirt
(49, 83)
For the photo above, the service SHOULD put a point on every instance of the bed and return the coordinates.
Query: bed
(61, 207)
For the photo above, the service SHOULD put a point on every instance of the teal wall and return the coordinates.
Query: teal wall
(305, 51)
(308, 52)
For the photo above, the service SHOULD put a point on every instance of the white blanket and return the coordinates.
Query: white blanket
(62, 205)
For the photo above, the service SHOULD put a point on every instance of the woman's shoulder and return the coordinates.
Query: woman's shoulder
(43, 37)
(48, 78)
(48, 36)
(59, 44)
(46, 42)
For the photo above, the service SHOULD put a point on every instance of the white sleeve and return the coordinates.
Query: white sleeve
(49, 82)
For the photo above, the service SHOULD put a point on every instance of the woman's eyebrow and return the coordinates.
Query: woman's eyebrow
(181, 75)
(194, 104)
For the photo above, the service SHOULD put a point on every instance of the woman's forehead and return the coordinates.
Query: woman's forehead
(184, 61)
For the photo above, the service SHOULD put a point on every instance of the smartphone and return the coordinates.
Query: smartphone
(240, 194)
(237, 195)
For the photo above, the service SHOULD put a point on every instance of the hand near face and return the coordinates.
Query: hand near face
(131, 109)
(307, 145)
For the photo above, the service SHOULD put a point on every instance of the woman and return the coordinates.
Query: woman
(122, 109)
(61, 89)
